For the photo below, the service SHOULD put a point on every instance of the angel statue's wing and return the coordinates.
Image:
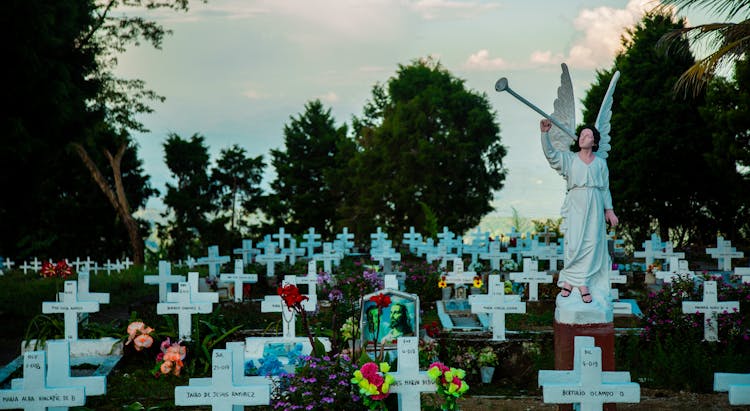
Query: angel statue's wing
(565, 112)
(604, 116)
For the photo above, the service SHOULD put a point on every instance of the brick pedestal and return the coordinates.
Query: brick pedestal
(604, 338)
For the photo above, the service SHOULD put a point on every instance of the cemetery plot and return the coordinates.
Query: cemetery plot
(34, 392)
(497, 305)
(737, 385)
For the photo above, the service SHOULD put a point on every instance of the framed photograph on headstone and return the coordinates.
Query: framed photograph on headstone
(399, 319)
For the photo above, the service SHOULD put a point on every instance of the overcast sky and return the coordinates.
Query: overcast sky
(235, 71)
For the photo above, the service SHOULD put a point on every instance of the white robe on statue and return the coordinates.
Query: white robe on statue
(587, 261)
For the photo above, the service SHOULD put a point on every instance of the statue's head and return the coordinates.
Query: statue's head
(597, 137)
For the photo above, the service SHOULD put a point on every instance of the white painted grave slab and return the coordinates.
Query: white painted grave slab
(164, 280)
(70, 307)
(587, 385)
(532, 276)
(181, 304)
(239, 278)
(223, 393)
(58, 370)
(711, 307)
(724, 253)
(214, 261)
(34, 393)
(738, 386)
(743, 273)
(409, 382)
(497, 305)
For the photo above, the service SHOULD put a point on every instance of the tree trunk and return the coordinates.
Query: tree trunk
(116, 197)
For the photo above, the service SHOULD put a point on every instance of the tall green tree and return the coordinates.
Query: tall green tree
(727, 112)
(54, 209)
(306, 191)
(423, 140)
(726, 42)
(235, 183)
(189, 201)
(657, 163)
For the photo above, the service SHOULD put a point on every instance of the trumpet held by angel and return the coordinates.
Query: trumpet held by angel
(582, 161)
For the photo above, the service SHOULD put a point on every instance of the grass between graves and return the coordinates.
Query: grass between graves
(672, 357)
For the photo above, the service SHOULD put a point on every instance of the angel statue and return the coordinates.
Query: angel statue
(588, 206)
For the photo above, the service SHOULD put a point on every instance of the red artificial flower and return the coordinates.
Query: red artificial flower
(381, 300)
(63, 270)
(291, 296)
(48, 270)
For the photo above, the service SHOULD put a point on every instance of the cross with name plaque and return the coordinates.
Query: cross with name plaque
(409, 382)
(724, 253)
(181, 303)
(587, 385)
(70, 307)
(223, 393)
(711, 307)
(164, 280)
(497, 304)
(274, 303)
(247, 251)
(214, 261)
(84, 294)
(239, 278)
(34, 393)
(677, 269)
(531, 276)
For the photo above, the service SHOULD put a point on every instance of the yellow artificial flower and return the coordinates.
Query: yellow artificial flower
(478, 283)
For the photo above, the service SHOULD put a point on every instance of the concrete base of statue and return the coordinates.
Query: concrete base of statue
(574, 318)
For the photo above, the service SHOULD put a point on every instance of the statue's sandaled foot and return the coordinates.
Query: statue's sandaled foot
(565, 290)
(585, 294)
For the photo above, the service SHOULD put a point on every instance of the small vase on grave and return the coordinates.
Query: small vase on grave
(487, 373)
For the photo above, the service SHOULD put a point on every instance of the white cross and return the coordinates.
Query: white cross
(8, 263)
(223, 392)
(165, 279)
(36, 265)
(181, 303)
(247, 251)
(378, 238)
(724, 253)
(195, 294)
(346, 238)
(668, 252)
(310, 241)
(412, 239)
(587, 385)
(293, 251)
(83, 290)
(214, 261)
(497, 304)
(711, 307)
(531, 276)
(311, 279)
(25, 267)
(409, 381)
(70, 306)
(127, 263)
(458, 275)
(445, 236)
(282, 237)
(738, 386)
(677, 268)
(58, 371)
(648, 252)
(328, 256)
(494, 255)
(33, 392)
(239, 278)
(270, 258)
(274, 303)
(617, 243)
(616, 278)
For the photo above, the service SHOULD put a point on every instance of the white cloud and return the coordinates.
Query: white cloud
(329, 97)
(481, 61)
(436, 9)
(600, 31)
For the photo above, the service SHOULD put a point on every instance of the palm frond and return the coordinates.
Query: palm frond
(728, 8)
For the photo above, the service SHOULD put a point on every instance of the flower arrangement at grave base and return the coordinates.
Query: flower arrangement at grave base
(374, 382)
(487, 357)
(510, 265)
(467, 360)
(140, 335)
(60, 270)
(318, 383)
(350, 333)
(450, 384)
(433, 329)
(478, 283)
(170, 360)
(429, 351)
